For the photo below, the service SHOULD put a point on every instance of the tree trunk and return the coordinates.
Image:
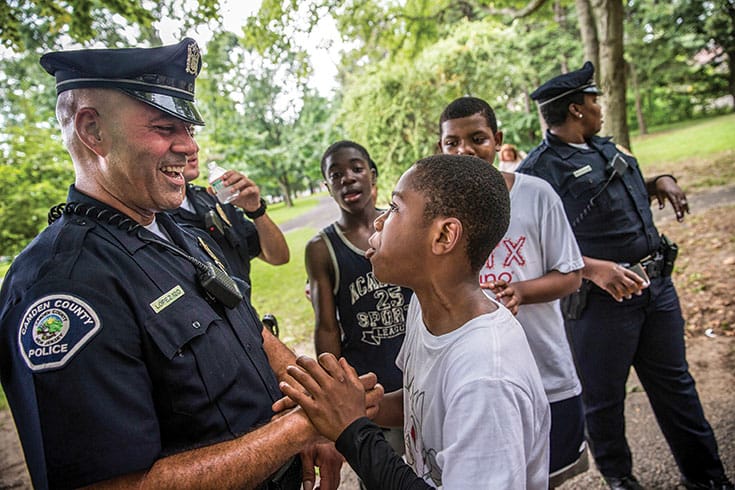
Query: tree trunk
(285, 186)
(608, 16)
(588, 31)
(731, 76)
(561, 18)
(527, 109)
(638, 104)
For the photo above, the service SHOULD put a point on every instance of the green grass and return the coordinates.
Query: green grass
(4, 266)
(701, 139)
(280, 290)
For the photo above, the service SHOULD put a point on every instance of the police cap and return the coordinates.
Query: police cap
(162, 77)
(582, 80)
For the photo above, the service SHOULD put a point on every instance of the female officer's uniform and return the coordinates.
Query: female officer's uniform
(607, 203)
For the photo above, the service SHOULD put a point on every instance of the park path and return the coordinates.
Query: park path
(324, 213)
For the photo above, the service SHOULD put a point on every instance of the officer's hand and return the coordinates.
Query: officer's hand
(618, 281)
(328, 460)
(335, 396)
(667, 188)
(249, 197)
(505, 293)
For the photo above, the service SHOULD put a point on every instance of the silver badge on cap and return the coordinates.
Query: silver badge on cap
(192, 59)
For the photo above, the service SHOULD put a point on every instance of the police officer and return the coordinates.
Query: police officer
(621, 318)
(126, 353)
(241, 239)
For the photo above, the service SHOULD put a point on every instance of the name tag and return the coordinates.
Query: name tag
(582, 171)
(162, 302)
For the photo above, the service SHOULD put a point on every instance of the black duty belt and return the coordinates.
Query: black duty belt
(288, 477)
(654, 265)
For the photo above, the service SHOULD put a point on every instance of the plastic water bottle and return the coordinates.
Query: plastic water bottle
(224, 195)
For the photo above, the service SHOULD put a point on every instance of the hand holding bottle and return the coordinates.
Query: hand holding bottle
(224, 193)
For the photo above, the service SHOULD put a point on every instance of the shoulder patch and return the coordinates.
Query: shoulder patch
(54, 329)
(623, 150)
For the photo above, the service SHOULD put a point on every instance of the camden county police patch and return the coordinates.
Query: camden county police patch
(53, 329)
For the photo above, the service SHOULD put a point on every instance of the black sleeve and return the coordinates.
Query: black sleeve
(375, 462)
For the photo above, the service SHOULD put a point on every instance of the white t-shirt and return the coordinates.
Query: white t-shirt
(475, 412)
(539, 239)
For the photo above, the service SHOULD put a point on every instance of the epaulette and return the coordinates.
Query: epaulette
(623, 150)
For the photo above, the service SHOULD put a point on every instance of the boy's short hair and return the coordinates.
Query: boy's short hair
(347, 144)
(471, 190)
(555, 112)
(468, 106)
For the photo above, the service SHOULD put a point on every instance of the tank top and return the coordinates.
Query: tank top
(372, 314)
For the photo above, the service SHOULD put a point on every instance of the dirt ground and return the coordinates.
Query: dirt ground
(704, 279)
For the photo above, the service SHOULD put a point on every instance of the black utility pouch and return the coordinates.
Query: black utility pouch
(573, 305)
(669, 250)
(214, 225)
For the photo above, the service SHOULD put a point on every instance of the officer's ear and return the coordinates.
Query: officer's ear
(574, 111)
(88, 127)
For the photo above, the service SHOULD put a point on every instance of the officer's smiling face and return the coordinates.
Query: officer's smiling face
(470, 135)
(144, 167)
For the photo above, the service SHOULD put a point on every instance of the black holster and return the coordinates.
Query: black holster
(287, 478)
(573, 305)
(669, 250)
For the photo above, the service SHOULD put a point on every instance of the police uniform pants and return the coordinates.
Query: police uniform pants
(646, 332)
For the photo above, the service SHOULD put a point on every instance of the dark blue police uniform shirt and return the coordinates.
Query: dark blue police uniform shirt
(240, 243)
(619, 226)
(111, 357)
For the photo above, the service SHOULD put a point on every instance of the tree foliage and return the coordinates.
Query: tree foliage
(402, 62)
(393, 108)
(30, 24)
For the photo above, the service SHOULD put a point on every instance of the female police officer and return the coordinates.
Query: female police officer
(621, 318)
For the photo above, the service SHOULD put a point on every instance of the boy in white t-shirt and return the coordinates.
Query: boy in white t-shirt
(536, 263)
(473, 407)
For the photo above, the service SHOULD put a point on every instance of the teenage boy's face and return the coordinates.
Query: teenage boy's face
(400, 240)
(349, 179)
(470, 135)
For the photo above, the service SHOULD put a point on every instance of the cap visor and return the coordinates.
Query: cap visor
(592, 90)
(183, 109)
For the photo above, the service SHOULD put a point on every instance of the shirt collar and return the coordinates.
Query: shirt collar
(566, 151)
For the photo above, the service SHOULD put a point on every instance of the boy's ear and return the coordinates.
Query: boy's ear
(498, 140)
(447, 235)
(329, 189)
(88, 127)
(438, 149)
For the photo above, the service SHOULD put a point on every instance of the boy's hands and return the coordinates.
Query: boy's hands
(505, 293)
(335, 396)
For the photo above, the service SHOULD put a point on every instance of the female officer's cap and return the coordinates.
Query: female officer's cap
(162, 77)
(582, 80)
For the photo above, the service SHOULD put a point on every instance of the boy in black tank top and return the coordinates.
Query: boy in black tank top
(356, 316)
